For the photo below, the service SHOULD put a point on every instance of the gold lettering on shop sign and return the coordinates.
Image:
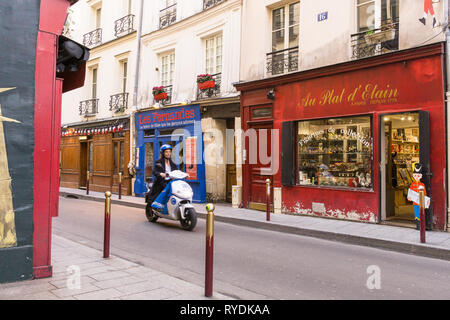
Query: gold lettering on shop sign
(362, 95)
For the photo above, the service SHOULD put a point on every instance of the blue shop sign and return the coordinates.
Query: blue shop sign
(158, 127)
(168, 118)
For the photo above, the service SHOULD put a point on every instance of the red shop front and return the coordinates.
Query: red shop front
(349, 136)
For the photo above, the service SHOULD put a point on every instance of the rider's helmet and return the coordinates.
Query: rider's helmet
(164, 148)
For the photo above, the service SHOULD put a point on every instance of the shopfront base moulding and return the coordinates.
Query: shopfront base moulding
(352, 215)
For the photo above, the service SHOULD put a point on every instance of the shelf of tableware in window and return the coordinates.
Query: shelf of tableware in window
(404, 141)
(332, 153)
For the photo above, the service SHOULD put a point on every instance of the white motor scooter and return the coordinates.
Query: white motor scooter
(179, 206)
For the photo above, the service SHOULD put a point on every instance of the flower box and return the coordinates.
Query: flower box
(160, 96)
(207, 85)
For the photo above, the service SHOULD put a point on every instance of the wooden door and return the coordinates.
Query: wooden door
(259, 171)
(231, 162)
(83, 164)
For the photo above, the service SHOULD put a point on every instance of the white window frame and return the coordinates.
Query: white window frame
(215, 66)
(377, 12)
(124, 67)
(286, 26)
(167, 62)
(98, 17)
(170, 3)
(94, 82)
(130, 6)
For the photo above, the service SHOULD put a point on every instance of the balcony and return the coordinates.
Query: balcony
(168, 100)
(89, 108)
(93, 38)
(377, 41)
(211, 3)
(167, 16)
(211, 92)
(118, 102)
(124, 26)
(282, 61)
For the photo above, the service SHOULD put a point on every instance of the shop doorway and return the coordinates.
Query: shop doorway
(149, 160)
(83, 165)
(177, 151)
(231, 162)
(401, 147)
(258, 177)
(86, 159)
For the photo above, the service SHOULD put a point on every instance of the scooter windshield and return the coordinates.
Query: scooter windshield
(178, 175)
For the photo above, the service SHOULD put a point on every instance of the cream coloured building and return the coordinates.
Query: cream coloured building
(321, 33)
(298, 42)
(96, 118)
(181, 40)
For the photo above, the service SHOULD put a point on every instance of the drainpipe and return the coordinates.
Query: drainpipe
(447, 94)
(135, 107)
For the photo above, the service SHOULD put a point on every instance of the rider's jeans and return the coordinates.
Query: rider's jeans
(163, 197)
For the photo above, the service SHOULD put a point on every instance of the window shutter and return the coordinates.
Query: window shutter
(425, 151)
(288, 154)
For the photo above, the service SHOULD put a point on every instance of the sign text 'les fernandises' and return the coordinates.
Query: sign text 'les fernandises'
(177, 117)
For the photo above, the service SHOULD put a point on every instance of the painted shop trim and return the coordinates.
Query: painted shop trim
(179, 127)
(364, 95)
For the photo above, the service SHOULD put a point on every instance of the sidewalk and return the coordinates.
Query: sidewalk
(100, 279)
(400, 239)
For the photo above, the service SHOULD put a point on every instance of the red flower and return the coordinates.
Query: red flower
(204, 77)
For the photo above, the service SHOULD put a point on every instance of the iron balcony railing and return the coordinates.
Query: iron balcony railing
(124, 25)
(211, 92)
(211, 3)
(89, 107)
(167, 16)
(168, 100)
(118, 102)
(282, 61)
(376, 41)
(92, 38)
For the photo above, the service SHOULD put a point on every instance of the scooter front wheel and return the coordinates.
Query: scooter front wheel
(190, 222)
(149, 213)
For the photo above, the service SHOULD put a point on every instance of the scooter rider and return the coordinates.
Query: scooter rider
(163, 167)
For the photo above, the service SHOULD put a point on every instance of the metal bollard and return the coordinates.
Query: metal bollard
(87, 182)
(268, 199)
(422, 216)
(209, 260)
(107, 234)
(120, 185)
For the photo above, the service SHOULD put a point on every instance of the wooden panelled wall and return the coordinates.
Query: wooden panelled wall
(75, 162)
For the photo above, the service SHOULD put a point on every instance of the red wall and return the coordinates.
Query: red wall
(416, 80)
(47, 132)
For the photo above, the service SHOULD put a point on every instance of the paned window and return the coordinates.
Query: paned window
(286, 27)
(336, 152)
(214, 55)
(167, 69)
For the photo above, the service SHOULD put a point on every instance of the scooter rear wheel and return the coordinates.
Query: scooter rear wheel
(149, 213)
(190, 222)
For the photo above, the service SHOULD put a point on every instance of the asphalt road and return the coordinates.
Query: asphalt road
(257, 264)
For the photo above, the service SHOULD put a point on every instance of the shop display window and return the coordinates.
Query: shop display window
(336, 152)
